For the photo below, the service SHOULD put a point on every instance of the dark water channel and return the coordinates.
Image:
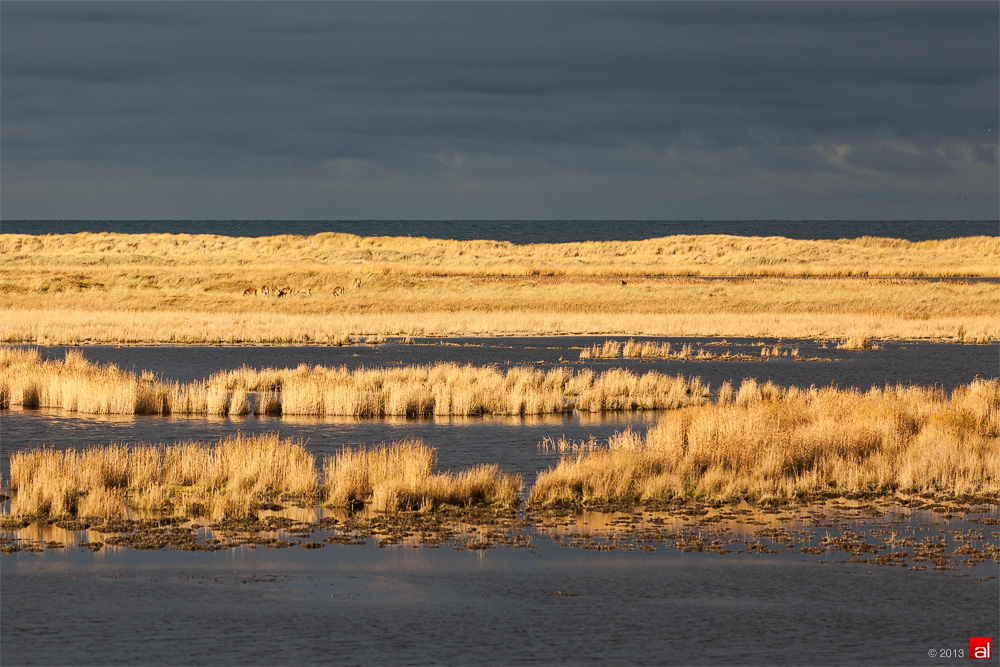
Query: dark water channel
(905, 362)
(402, 605)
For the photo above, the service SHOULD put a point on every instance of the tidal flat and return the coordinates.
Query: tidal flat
(840, 580)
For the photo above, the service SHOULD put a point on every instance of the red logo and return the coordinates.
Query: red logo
(980, 648)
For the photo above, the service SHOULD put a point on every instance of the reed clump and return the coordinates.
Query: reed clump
(77, 384)
(436, 389)
(225, 480)
(611, 349)
(233, 478)
(652, 350)
(767, 443)
(856, 341)
(401, 477)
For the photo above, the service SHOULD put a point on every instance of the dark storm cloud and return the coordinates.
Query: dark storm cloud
(495, 109)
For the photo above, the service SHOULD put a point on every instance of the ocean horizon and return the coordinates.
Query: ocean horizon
(526, 231)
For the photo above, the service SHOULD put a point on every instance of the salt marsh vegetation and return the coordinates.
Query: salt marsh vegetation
(239, 475)
(612, 349)
(230, 478)
(765, 442)
(436, 389)
(401, 477)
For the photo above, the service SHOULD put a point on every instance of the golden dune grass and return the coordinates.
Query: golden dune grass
(190, 289)
(232, 478)
(437, 389)
(766, 443)
(706, 255)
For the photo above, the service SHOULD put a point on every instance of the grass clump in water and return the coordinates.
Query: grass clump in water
(78, 385)
(768, 443)
(401, 477)
(234, 478)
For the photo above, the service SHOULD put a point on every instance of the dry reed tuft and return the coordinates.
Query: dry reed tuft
(771, 443)
(686, 352)
(240, 471)
(438, 389)
(230, 480)
(778, 351)
(401, 476)
(856, 341)
(611, 349)
(564, 445)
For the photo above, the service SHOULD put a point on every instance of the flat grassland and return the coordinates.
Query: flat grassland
(161, 288)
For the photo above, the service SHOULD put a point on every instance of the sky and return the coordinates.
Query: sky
(499, 110)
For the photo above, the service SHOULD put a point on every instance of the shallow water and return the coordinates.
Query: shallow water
(365, 605)
(905, 362)
(548, 604)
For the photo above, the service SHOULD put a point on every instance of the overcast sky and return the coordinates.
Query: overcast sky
(565, 110)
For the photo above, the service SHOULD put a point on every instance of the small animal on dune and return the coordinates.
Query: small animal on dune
(250, 290)
(283, 287)
(305, 290)
(624, 283)
(338, 291)
(357, 283)
(264, 290)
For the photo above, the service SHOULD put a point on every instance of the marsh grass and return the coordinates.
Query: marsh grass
(857, 341)
(777, 350)
(766, 443)
(563, 445)
(651, 350)
(762, 443)
(401, 477)
(227, 479)
(806, 309)
(231, 479)
(611, 349)
(437, 389)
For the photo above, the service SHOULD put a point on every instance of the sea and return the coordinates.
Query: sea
(526, 231)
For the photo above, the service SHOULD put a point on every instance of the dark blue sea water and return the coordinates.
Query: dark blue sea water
(526, 231)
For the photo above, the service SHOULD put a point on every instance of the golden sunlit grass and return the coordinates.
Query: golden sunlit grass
(401, 477)
(229, 479)
(760, 444)
(190, 289)
(766, 443)
(234, 477)
(74, 327)
(704, 255)
(651, 350)
(437, 389)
